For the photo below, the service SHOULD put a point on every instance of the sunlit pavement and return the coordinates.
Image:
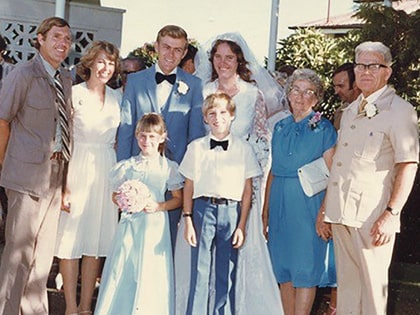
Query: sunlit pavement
(404, 291)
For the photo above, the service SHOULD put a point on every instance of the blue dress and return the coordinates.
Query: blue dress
(138, 274)
(297, 252)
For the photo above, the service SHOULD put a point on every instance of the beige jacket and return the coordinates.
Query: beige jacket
(363, 168)
(28, 102)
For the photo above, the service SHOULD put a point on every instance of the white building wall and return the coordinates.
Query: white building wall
(20, 18)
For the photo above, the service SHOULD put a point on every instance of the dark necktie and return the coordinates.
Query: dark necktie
(214, 143)
(160, 77)
(63, 118)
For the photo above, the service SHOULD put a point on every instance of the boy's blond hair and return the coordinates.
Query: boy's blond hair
(219, 99)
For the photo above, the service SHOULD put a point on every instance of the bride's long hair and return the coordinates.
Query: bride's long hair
(242, 70)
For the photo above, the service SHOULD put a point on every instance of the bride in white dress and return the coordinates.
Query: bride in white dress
(87, 225)
(234, 71)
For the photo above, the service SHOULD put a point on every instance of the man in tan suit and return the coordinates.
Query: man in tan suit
(372, 174)
(34, 149)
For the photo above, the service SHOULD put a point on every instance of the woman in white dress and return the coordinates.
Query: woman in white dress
(227, 65)
(89, 218)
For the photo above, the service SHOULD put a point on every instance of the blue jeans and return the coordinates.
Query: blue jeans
(214, 226)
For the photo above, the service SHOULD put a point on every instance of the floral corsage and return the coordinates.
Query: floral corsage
(314, 121)
(132, 196)
(182, 88)
(371, 110)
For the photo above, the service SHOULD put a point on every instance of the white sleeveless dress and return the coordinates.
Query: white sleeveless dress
(90, 225)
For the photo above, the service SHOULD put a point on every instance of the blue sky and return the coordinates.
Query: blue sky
(203, 19)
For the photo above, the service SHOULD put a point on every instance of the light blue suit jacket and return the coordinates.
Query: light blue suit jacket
(182, 112)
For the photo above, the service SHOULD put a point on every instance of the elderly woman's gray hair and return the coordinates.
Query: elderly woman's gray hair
(377, 47)
(306, 75)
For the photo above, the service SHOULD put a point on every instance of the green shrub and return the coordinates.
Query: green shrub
(310, 48)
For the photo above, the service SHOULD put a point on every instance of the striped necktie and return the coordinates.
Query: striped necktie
(362, 105)
(63, 117)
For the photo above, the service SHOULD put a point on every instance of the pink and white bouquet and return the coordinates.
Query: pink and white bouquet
(132, 196)
(314, 121)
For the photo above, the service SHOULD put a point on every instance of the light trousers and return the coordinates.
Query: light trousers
(362, 271)
(31, 229)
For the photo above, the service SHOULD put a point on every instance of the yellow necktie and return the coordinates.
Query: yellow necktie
(362, 105)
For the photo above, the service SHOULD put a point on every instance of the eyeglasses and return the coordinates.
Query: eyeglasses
(305, 93)
(372, 67)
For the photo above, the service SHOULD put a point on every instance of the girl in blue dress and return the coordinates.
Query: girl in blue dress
(296, 249)
(138, 274)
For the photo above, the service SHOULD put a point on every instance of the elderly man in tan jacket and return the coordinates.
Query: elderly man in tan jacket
(371, 177)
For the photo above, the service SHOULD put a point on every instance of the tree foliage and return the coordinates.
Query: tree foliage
(310, 48)
(147, 53)
(401, 33)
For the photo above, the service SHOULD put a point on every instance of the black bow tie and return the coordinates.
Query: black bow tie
(160, 77)
(214, 143)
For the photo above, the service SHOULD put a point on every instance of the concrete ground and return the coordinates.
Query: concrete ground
(404, 290)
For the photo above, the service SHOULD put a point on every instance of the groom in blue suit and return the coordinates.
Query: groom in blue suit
(166, 89)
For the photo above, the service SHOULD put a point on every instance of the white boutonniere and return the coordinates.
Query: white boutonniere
(370, 110)
(182, 87)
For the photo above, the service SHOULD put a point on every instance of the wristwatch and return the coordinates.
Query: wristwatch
(393, 211)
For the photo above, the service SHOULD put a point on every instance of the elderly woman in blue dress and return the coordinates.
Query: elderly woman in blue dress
(290, 217)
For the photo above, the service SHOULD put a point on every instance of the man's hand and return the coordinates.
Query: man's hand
(383, 229)
(65, 200)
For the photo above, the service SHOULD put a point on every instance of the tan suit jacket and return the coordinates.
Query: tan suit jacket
(363, 169)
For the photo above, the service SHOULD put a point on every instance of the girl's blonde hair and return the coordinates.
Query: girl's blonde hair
(152, 122)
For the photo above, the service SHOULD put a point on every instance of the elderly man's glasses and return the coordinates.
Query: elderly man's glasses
(372, 67)
(294, 91)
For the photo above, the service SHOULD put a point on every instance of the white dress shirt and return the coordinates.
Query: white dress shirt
(218, 173)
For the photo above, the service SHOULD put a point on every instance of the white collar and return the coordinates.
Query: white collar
(158, 69)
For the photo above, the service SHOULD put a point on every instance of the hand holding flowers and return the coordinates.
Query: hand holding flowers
(134, 196)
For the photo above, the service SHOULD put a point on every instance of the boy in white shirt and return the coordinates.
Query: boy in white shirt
(217, 197)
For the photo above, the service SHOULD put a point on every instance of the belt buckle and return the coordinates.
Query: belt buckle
(219, 201)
